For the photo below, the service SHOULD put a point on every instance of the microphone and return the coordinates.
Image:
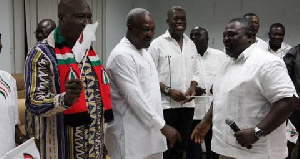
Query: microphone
(234, 127)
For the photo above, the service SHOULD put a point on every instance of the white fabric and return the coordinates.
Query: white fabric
(84, 41)
(209, 64)
(291, 132)
(182, 67)
(138, 115)
(27, 147)
(245, 89)
(9, 114)
(280, 52)
(260, 43)
(155, 156)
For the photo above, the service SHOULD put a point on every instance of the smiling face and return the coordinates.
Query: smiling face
(235, 39)
(142, 32)
(276, 36)
(177, 21)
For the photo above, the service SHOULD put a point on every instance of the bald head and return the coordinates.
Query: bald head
(44, 28)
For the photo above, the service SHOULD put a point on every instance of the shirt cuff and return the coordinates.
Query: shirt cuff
(158, 123)
(59, 101)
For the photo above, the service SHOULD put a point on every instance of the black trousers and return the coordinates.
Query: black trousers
(181, 119)
(194, 151)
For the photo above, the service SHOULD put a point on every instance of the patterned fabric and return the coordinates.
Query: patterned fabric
(44, 117)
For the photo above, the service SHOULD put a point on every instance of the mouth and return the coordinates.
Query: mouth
(179, 27)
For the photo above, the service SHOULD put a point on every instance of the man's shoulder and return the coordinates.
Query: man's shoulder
(261, 56)
(6, 76)
(215, 51)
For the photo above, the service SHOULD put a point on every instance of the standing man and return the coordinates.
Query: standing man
(174, 55)
(292, 61)
(139, 128)
(10, 134)
(253, 90)
(276, 46)
(65, 99)
(255, 21)
(44, 28)
(210, 62)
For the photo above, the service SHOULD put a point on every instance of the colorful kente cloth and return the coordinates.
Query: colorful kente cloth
(44, 113)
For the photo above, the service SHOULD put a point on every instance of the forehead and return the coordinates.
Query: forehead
(145, 20)
(234, 26)
(178, 12)
(78, 7)
(253, 18)
(277, 30)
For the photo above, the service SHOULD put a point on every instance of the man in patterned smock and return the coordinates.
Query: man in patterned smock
(65, 99)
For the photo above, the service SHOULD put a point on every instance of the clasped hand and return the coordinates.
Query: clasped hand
(73, 91)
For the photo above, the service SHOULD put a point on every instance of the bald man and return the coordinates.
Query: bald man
(44, 28)
(64, 101)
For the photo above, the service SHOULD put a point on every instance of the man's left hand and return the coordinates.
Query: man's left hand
(190, 92)
(246, 137)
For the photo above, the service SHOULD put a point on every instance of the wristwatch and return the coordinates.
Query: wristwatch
(258, 132)
(167, 90)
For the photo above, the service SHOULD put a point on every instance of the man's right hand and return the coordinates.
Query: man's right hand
(171, 134)
(200, 131)
(178, 96)
(73, 91)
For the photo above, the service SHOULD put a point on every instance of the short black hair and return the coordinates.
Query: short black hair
(246, 23)
(176, 8)
(201, 30)
(277, 25)
(250, 15)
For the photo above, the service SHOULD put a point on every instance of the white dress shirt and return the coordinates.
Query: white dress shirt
(9, 114)
(245, 89)
(210, 63)
(280, 52)
(176, 67)
(136, 103)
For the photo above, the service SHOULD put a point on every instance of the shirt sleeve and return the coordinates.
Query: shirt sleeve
(275, 81)
(154, 52)
(124, 73)
(197, 75)
(15, 101)
(40, 97)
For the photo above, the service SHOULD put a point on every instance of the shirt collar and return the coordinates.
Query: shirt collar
(246, 53)
(168, 35)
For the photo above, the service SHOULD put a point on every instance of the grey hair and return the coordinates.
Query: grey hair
(133, 15)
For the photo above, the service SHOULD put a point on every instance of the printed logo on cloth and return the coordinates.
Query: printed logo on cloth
(4, 88)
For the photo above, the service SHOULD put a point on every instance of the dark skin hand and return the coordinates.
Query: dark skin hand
(190, 92)
(203, 127)
(278, 114)
(171, 134)
(73, 91)
(19, 137)
(178, 96)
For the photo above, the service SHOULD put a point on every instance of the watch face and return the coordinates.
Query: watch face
(258, 132)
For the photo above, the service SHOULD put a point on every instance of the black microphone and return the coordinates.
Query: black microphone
(235, 128)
